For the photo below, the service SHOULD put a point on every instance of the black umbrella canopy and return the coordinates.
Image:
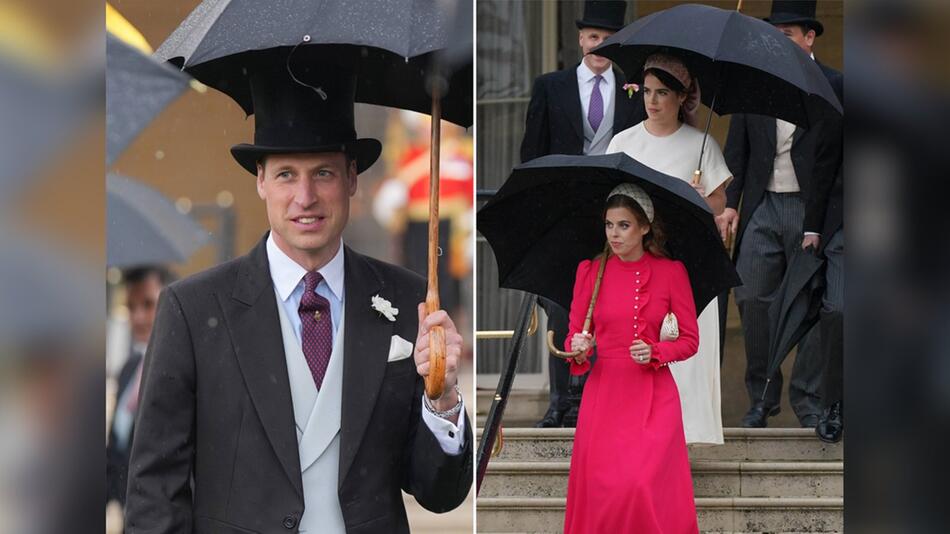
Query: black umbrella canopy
(394, 43)
(144, 227)
(548, 217)
(795, 308)
(137, 88)
(745, 63)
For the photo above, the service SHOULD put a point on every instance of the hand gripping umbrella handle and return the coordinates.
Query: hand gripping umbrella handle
(590, 310)
(560, 353)
(435, 380)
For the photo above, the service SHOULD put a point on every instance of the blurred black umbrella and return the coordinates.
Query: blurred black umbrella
(743, 64)
(392, 43)
(144, 227)
(46, 294)
(795, 308)
(548, 216)
(137, 88)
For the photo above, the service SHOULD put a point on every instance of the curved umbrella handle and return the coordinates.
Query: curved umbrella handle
(590, 309)
(557, 352)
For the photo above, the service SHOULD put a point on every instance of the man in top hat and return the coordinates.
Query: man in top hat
(283, 390)
(577, 111)
(783, 176)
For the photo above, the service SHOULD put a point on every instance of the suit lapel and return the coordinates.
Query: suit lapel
(365, 351)
(570, 98)
(251, 315)
(623, 104)
(797, 135)
(769, 125)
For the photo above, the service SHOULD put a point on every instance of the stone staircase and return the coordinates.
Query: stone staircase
(761, 480)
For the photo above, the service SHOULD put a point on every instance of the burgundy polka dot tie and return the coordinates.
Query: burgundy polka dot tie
(317, 328)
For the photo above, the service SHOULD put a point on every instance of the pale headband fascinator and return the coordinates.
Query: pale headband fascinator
(638, 195)
(677, 69)
(671, 65)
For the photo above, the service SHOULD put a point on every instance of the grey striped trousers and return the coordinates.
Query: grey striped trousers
(773, 234)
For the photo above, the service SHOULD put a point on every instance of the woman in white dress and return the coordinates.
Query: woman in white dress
(666, 141)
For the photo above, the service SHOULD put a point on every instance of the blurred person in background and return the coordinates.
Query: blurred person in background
(783, 175)
(143, 285)
(577, 111)
(401, 204)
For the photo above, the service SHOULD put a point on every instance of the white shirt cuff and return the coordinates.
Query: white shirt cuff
(812, 233)
(451, 437)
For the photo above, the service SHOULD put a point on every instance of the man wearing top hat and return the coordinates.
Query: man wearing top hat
(283, 390)
(783, 177)
(577, 111)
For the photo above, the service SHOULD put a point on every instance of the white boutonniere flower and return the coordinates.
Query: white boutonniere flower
(385, 307)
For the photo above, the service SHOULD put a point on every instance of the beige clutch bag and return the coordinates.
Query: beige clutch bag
(670, 330)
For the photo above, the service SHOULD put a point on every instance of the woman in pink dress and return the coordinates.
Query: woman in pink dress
(629, 469)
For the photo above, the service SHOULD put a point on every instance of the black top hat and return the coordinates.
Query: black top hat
(606, 14)
(795, 12)
(313, 113)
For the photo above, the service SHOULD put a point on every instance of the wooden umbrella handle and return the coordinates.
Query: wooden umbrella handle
(435, 380)
(590, 310)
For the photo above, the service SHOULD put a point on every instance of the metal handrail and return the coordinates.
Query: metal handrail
(496, 412)
(507, 334)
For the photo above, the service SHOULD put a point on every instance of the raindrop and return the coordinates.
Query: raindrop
(213, 322)
(183, 205)
(225, 199)
(114, 275)
(159, 154)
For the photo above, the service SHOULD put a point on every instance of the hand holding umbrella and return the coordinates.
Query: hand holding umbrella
(552, 347)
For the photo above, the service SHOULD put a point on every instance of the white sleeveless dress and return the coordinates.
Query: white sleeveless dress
(697, 379)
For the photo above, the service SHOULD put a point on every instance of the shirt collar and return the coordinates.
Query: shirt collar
(287, 274)
(584, 74)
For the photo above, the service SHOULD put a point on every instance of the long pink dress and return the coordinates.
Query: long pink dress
(630, 469)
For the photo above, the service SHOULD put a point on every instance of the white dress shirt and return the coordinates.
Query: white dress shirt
(585, 84)
(287, 276)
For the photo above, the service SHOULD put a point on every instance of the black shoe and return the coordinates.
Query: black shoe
(758, 414)
(831, 424)
(552, 419)
(809, 420)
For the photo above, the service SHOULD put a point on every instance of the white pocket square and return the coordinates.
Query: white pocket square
(399, 349)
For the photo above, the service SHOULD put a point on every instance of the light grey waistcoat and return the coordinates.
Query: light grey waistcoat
(317, 417)
(596, 144)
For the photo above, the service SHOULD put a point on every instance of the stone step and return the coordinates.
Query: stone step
(710, 479)
(741, 444)
(716, 514)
